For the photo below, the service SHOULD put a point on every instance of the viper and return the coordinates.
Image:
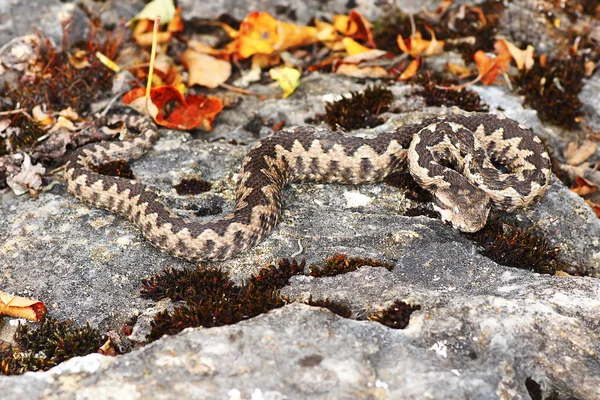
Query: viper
(470, 163)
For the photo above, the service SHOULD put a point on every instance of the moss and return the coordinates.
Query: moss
(192, 186)
(360, 110)
(54, 83)
(396, 316)
(552, 89)
(335, 307)
(514, 247)
(212, 299)
(466, 99)
(49, 344)
(457, 22)
(341, 264)
(25, 136)
(120, 168)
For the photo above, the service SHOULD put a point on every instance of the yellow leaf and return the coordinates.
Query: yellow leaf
(353, 47)
(325, 31)
(163, 9)
(288, 79)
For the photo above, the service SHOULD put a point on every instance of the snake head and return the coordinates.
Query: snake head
(466, 209)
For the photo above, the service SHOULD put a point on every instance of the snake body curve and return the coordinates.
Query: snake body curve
(468, 162)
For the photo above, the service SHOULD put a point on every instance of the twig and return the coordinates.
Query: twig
(299, 251)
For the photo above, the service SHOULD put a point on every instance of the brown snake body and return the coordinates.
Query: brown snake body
(468, 162)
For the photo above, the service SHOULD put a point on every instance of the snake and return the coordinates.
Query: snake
(470, 163)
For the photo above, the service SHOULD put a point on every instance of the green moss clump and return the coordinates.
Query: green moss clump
(341, 264)
(49, 344)
(396, 316)
(360, 110)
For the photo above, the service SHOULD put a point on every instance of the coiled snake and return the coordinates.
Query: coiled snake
(468, 162)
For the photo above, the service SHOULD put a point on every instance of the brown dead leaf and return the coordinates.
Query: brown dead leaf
(79, 60)
(460, 71)
(416, 46)
(576, 154)
(203, 48)
(21, 307)
(41, 117)
(371, 54)
(364, 72)
(595, 207)
(205, 70)
(583, 187)
(523, 58)
(355, 26)
(490, 65)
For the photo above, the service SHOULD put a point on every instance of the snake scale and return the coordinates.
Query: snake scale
(468, 162)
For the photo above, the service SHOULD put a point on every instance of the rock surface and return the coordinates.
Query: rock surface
(484, 330)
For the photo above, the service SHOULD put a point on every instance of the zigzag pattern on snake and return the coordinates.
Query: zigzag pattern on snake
(468, 162)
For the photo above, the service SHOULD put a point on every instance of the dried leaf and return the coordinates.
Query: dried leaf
(205, 70)
(583, 187)
(460, 71)
(21, 307)
(79, 60)
(364, 72)
(416, 46)
(326, 32)
(353, 47)
(203, 48)
(576, 155)
(410, 71)
(288, 79)
(523, 58)
(595, 207)
(261, 33)
(41, 117)
(371, 54)
(354, 25)
(163, 9)
(169, 108)
(110, 64)
(28, 179)
(143, 33)
(489, 66)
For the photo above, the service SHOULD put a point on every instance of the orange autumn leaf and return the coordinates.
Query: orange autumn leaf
(204, 69)
(21, 307)
(594, 206)
(170, 109)
(261, 33)
(523, 58)
(416, 46)
(489, 66)
(355, 26)
(583, 187)
(410, 71)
